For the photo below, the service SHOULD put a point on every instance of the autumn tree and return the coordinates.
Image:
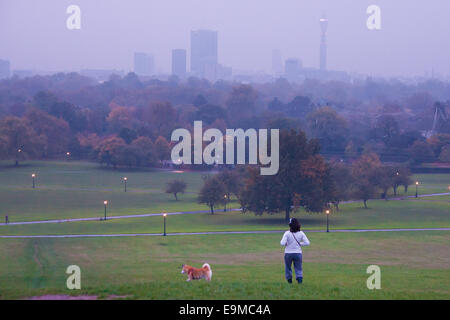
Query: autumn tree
(175, 186)
(303, 174)
(212, 193)
(147, 148)
(384, 179)
(386, 129)
(55, 131)
(232, 184)
(20, 140)
(342, 179)
(163, 118)
(162, 148)
(401, 177)
(120, 117)
(3, 147)
(330, 128)
(421, 152)
(364, 176)
(444, 156)
(109, 150)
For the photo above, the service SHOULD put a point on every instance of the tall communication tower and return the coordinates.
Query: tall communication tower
(323, 43)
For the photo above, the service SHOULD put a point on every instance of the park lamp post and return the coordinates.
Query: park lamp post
(33, 177)
(18, 156)
(225, 207)
(105, 203)
(164, 215)
(125, 183)
(327, 212)
(417, 188)
(68, 155)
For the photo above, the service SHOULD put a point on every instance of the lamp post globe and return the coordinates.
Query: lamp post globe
(105, 203)
(417, 189)
(327, 212)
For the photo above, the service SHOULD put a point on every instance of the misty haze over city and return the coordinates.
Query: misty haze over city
(234, 151)
(413, 40)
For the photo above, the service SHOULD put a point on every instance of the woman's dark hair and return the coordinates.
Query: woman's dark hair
(294, 225)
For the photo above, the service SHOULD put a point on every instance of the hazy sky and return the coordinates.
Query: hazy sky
(415, 34)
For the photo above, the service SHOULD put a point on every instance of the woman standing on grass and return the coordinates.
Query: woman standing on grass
(294, 240)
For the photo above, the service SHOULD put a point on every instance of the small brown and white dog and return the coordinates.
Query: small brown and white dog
(204, 272)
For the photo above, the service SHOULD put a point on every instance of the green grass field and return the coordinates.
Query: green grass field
(415, 265)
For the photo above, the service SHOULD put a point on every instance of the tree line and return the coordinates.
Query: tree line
(111, 122)
(305, 180)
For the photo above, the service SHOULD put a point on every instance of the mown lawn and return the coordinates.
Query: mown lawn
(414, 265)
(381, 214)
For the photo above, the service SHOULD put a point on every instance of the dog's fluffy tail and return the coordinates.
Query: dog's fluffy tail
(208, 267)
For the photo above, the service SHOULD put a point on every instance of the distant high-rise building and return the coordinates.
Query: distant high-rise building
(144, 64)
(292, 68)
(323, 43)
(179, 62)
(204, 54)
(277, 63)
(4, 69)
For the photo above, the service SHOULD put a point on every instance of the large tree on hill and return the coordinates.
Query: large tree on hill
(232, 184)
(212, 193)
(303, 176)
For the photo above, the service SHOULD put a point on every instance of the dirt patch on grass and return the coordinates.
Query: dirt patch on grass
(62, 297)
(67, 297)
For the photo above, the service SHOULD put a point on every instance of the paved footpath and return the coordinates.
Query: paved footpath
(212, 232)
(184, 212)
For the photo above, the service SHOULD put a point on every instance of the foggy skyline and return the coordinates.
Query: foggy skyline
(413, 39)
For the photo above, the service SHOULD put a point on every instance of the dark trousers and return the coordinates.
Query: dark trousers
(296, 258)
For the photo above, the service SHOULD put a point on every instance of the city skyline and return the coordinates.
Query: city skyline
(112, 31)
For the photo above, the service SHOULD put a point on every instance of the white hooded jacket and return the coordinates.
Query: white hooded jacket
(292, 246)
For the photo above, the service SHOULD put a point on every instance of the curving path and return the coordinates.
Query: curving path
(213, 232)
(183, 212)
